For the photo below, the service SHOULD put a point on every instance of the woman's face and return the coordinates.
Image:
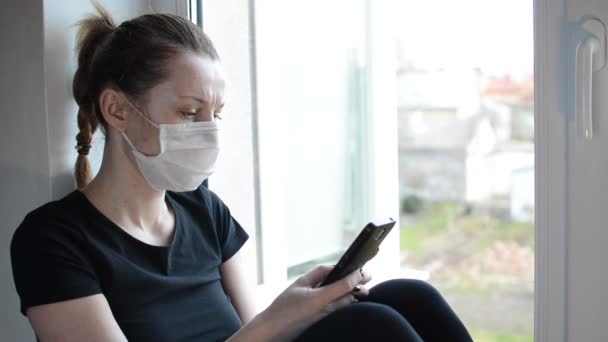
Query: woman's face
(193, 91)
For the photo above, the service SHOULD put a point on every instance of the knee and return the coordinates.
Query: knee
(372, 313)
(363, 321)
(412, 285)
(413, 289)
(376, 319)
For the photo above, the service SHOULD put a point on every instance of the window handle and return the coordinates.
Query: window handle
(590, 58)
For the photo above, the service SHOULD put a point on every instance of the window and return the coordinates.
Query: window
(327, 142)
(195, 11)
(466, 159)
(313, 122)
(354, 115)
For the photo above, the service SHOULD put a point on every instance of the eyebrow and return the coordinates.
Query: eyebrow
(196, 98)
(201, 100)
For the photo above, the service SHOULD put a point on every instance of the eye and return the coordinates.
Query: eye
(218, 110)
(189, 115)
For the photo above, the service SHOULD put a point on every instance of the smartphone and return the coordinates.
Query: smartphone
(364, 248)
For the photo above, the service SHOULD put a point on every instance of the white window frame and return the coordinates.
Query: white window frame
(550, 290)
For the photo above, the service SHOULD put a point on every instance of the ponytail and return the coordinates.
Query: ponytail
(93, 32)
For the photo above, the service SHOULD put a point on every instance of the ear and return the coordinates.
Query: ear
(113, 108)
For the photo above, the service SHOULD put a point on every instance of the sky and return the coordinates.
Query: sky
(493, 35)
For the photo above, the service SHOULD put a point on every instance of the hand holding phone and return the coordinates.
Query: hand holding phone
(364, 248)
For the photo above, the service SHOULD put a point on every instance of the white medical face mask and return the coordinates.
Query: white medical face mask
(187, 157)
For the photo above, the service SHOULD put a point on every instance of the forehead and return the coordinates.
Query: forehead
(194, 75)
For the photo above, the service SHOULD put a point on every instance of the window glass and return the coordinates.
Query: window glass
(311, 88)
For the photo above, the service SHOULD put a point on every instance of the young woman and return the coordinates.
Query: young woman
(143, 252)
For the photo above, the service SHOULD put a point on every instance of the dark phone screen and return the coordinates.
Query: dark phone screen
(361, 250)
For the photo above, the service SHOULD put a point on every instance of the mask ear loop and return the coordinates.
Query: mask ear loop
(124, 135)
(143, 115)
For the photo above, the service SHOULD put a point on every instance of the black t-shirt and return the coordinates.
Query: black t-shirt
(67, 249)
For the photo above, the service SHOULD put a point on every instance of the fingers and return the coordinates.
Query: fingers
(339, 303)
(367, 277)
(360, 291)
(341, 287)
(315, 276)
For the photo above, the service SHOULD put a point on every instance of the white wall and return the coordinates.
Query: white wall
(38, 127)
(60, 65)
(24, 160)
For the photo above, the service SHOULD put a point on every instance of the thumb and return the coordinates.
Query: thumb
(314, 277)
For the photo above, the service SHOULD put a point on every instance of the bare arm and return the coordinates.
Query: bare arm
(295, 309)
(83, 319)
(299, 306)
(238, 280)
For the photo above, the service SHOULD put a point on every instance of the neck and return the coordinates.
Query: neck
(120, 192)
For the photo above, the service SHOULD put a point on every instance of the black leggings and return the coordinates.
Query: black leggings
(395, 310)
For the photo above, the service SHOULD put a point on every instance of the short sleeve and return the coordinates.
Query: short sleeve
(231, 234)
(49, 264)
